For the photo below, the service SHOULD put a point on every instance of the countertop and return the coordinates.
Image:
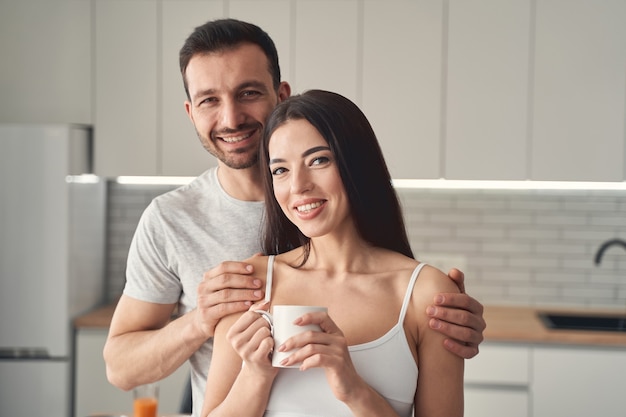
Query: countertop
(504, 324)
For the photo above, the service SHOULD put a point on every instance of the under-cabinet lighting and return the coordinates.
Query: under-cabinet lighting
(148, 180)
(427, 184)
(83, 179)
(509, 185)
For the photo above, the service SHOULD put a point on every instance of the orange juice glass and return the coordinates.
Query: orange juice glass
(146, 400)
(145, 407)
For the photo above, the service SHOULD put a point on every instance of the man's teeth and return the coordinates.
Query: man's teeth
(308, 207)
(233, 139)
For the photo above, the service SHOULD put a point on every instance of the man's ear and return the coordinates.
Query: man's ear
(284, 91)
(188, 110)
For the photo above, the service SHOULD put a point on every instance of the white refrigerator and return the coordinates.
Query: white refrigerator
(52, 235)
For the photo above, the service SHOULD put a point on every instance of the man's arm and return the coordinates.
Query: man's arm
(459, 317)
(143, 345)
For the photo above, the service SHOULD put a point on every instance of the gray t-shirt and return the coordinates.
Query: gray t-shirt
(181, 235)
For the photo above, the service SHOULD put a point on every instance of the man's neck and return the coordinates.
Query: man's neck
(242, 184)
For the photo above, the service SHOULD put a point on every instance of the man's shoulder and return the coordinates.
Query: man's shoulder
(201, 188)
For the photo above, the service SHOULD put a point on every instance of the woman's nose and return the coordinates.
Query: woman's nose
(300, 181)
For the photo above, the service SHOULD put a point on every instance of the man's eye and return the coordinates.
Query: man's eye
(208, 100)
(250, 94)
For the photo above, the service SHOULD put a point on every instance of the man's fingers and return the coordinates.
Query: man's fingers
(230, 274)
(228, 296)
(459, 301)
(461, 349)
(458, 277)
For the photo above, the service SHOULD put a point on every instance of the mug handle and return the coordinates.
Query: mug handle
(268, 318)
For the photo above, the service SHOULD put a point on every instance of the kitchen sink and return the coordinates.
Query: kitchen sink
(595, 322)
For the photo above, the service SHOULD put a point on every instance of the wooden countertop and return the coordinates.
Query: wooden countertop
(99, 318)
(522, 325)
(504, 324)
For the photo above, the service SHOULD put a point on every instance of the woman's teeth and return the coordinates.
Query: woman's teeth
(308, 207)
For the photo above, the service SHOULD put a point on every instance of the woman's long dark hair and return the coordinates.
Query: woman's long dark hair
(374, 204)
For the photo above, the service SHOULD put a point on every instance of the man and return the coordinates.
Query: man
(232, 80)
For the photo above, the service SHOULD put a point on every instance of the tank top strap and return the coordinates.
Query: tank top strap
(409, 291)
(268, 278)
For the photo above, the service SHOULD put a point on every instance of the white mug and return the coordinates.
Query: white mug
(281, 324)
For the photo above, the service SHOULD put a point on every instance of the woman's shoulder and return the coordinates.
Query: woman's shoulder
(257, 260)
(432, 280)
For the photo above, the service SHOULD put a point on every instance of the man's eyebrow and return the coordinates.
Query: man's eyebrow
(246, 84)
(304, 154)
(255, 84)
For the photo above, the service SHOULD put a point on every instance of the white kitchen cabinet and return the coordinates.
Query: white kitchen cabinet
(126, 89)
(579, 91)
(578, 381)
(486, 90)
(45, 76)
(401, 86)
(94, 393)
(476, 89)
(326, 47)
(497, 381)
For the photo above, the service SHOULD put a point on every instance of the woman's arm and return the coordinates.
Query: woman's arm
(241, 374)
(440, 380)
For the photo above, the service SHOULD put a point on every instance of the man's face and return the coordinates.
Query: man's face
(231, 97)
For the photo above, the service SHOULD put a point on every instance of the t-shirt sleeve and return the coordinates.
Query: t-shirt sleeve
(149, 276)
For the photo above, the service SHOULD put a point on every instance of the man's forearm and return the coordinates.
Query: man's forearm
(140, 357)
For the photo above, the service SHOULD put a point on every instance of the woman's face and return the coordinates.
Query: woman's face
(306, 179)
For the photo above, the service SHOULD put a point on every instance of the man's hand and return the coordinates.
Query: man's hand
(460, 317)
(228, 288)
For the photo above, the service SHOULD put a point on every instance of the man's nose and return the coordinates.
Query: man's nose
(231, 115)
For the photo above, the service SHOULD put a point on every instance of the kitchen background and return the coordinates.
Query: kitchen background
(470, 90)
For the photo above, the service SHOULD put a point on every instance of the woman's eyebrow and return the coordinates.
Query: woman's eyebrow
(304, 154)
(315, 149)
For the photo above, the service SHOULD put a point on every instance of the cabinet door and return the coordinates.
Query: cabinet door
(497, 381)
(494, 402)
(579, 91)
(181, 152)
(45, 76)
(326, 53)
(94, 393)
(274, 17)
(402, 83)
(126, 96)
(578, 382)
(486, 91)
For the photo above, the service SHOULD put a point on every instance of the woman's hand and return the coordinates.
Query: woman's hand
(327, 349)
(251, 338)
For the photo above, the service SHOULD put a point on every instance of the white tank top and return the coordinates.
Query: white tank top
(386, 364)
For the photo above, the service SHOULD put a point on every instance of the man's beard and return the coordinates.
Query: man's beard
(234, 163)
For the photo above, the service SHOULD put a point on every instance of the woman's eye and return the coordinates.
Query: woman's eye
(278, 171)
(320, 160)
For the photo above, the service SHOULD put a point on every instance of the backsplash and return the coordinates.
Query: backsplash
(523, 247)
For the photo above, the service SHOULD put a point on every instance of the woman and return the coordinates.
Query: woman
(335, 225)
